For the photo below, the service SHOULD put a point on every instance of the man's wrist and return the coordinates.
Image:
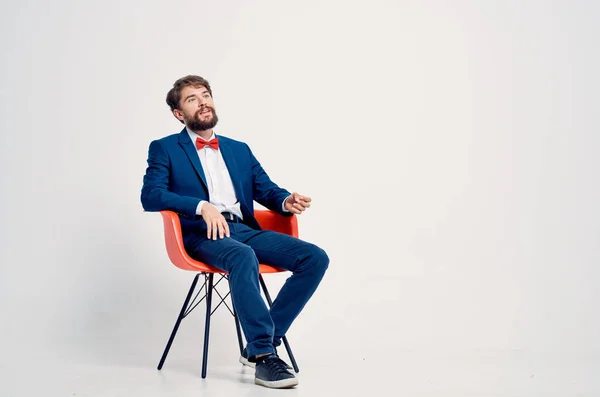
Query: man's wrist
(283, 204)
(199, 207)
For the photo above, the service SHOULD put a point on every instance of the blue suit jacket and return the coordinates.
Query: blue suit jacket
(175, 181)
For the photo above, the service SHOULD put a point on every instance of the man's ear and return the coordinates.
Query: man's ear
(177, 114)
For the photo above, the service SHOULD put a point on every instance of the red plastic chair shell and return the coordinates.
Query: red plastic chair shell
(268, 220)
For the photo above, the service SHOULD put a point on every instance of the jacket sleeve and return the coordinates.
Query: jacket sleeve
(155, 191)
(265, 191)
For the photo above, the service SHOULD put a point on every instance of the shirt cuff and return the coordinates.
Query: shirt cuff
(283, 204)
(199, 207)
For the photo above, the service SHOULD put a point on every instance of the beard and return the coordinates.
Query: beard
(197, 124)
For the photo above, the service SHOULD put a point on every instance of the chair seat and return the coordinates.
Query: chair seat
(181, 259)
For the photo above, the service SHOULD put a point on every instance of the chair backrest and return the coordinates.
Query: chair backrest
(268, 220)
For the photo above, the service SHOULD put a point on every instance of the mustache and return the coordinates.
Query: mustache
(204, 108)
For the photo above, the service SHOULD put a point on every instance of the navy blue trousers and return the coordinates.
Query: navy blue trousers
(240, 254)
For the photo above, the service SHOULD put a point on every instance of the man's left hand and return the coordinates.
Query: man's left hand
(297, 203)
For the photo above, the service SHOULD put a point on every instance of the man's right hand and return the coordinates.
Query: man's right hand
(215, 222)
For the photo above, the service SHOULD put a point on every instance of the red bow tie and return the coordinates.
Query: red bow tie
(201, 143)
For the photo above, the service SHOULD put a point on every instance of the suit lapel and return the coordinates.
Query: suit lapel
(190, 150)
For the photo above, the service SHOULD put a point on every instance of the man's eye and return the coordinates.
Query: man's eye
(191, 99)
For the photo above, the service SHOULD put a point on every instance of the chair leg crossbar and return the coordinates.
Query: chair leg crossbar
(208, 287)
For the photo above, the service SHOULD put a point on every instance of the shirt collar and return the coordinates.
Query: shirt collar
(193, 135)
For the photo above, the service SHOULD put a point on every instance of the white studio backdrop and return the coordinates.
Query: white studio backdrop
(449, 147)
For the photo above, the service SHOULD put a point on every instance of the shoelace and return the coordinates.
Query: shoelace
(275, 365)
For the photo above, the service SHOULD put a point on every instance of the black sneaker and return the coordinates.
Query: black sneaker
(271, 371)
(251, 361)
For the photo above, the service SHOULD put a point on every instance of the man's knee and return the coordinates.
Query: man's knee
(319, 258)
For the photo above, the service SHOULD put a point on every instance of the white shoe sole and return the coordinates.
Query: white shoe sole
(247, 363)
(277, 384)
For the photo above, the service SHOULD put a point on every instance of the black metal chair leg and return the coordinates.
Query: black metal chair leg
(179, 318)
(207, 323)
(284, 339)
(290, 354)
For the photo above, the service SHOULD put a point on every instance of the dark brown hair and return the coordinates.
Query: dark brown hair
(174, 94)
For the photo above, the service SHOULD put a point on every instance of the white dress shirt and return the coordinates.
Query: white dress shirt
(220, 188)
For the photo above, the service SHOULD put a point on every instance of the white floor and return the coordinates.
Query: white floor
(481, 374)
(112, 354)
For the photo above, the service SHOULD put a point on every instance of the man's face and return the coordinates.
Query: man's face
(196, 109)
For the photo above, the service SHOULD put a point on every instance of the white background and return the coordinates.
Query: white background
(449, 147)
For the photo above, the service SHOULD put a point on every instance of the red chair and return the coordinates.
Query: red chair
(174, 242)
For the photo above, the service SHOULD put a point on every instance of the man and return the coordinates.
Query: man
(211, 182)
